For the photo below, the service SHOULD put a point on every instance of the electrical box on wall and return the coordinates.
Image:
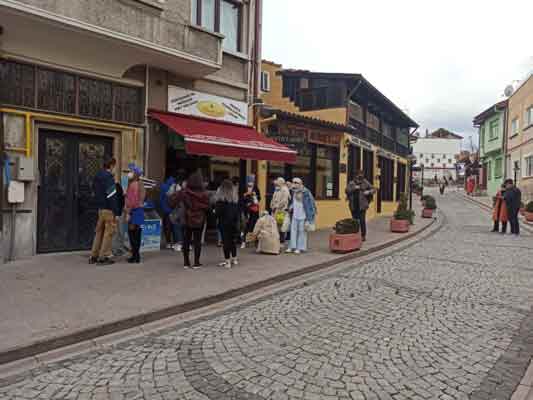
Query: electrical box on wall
(15, 192)
(23, 169)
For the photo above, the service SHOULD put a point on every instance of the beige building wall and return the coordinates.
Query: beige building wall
(520, 145)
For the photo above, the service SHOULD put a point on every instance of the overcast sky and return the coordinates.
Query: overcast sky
(443, 62)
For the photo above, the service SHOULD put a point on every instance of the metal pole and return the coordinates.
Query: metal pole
(410, 185)
(13, 232)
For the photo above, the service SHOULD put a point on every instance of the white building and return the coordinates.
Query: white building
(437, 154)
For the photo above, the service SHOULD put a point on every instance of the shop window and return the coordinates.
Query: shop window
(223, 16)
(387, 179)
(327, 175)
(402, 180)
(302, 168)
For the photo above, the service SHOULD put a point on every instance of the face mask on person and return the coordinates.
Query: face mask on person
(131, 175)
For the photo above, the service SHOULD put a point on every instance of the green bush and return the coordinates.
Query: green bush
(347, 226)
(402, 212)
(431, 203)
(529, 206)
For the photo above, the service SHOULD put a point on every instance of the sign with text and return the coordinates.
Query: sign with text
(190, 102)
(325, 138)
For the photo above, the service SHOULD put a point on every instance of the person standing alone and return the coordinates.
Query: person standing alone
(105, 193)
(513, 198)
(227, 212)
(359, 193)
(303, 209)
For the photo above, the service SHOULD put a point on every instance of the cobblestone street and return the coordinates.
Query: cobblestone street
(447, 318)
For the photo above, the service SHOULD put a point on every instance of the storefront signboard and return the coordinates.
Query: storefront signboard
(151, 235)
(191, 102)
(325, 138)
(361, 143)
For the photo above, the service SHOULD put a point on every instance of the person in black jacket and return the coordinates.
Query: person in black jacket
(513, 198)
(105, 194)
(227, 211)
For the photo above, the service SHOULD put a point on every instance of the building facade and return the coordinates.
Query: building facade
(83, 90)
(436, 154)
(338, 124)
(492, 125)
(519, 141)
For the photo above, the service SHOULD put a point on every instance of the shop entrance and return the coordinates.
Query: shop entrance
(67, 214)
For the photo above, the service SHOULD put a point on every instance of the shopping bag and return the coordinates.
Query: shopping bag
(286, 225)
(280, 217)
(309, 227)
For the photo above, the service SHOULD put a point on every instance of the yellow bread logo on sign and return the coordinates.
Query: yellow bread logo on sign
(211, 109)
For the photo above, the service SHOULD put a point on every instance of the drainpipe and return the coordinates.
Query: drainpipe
(505, 144)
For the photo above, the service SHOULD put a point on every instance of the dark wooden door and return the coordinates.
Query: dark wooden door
(354, 162)
(67, 212)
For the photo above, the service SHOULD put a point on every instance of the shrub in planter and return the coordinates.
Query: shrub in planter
(429, 206)
(528, 212)
(402, 218)
(345, 237)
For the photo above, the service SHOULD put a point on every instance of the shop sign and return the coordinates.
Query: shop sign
(361, 143)
(190, 102)
(325, 138)
(151, 235)
(292, 138)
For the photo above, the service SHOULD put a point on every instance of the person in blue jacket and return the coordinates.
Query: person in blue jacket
(303, 212)
(106, 199)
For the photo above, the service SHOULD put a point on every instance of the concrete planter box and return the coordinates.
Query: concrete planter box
(529, 216)
(345, 243)
(427, 213)
(399, 225)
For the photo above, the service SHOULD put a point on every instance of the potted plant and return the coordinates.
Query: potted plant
(429, 206)
(346, 236)
(423, 199)
(528, 212)
(402, 218)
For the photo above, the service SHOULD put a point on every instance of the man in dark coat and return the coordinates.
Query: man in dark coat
(513, 199)
(359, 193)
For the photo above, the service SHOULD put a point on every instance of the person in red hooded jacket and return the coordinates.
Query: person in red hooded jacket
(195, 203)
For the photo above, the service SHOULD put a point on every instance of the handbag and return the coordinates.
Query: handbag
(309, 227)
(286, 225)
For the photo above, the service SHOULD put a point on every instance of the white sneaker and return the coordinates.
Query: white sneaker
(225, 264)
(297, 251)
(234, 261)
(170, 246)
(243, 245)
(288, 251)
(177, 247)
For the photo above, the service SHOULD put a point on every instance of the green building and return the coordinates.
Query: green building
(492, 132)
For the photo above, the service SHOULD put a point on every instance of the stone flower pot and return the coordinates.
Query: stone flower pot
(345, 243)
(427, 213)
(529, 216)
(399, 225)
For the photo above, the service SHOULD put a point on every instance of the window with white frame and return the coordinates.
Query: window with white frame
(515, 126)
(494, 130)
(528, 165)
(223, 16)
(529, 116)
(265, 81)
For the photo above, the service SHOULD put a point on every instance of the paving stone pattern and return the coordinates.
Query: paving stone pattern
(447, 318)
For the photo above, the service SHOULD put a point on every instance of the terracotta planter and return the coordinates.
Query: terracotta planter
(529, 216)
(399, 225)
(427, 213)
(345, 243)
(523, 211)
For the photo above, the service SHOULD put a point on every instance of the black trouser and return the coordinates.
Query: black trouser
(360, 215)
(250, 224)
(167, 227)
(134, 233)
(229, 236)
(513, 220)
(497, 226)
(192, 236)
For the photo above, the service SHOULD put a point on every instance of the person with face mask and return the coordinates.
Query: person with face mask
(135, 195)
(303, 210)
(105, 196)
(359, 193)
(513, 198)
(280, 204)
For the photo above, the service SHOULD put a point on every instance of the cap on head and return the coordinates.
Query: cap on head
(135, 169)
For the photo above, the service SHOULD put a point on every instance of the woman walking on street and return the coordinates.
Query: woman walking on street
(195, 202)
(359, 193)
(227, 211)
(280, 204)
(303, 209)
(499, 213)
(250, 205)
(135, 195)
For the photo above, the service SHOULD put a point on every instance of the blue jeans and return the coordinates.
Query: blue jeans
(298, 235)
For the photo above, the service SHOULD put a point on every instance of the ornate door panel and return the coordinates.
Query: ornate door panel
(67, 213)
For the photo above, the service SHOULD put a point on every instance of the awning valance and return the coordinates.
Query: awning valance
(215, 138)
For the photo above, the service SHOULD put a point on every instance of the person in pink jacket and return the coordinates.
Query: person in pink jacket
(135, 195)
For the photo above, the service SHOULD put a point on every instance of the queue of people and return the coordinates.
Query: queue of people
(186, 206)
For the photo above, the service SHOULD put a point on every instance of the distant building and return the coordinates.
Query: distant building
(437, 154)
(492, 129)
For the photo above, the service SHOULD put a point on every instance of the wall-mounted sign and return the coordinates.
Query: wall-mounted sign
(325, 138)
(361, 143)
(292, 137)
(190, 102)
